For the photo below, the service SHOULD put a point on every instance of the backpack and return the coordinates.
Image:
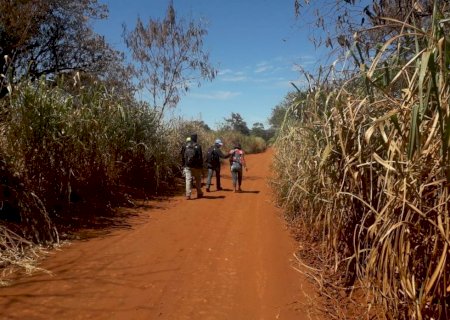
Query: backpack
(190, 154)
(236, 161)
(212, 158)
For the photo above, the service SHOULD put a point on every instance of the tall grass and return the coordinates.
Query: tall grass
(68, 150)
(370, 172)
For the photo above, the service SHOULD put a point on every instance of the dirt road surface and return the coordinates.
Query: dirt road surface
(226, 256)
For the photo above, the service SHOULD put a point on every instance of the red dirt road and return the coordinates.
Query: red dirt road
(226, 256)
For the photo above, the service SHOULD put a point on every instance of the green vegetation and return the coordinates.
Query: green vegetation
(75, 142)
(369, 176)
(250, 143)
(71, 148)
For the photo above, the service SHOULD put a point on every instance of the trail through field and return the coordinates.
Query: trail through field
(225, 256)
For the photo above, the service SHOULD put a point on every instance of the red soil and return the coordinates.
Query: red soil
(226, 256)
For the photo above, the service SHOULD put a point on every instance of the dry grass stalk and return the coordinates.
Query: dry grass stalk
(371, 174)
(17, 253)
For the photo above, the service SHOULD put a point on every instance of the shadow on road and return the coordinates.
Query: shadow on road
(230, 190)
(252, 178)
(213, 197)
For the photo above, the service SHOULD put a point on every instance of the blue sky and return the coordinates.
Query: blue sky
(255, 44)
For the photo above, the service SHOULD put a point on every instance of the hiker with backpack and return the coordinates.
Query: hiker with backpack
(237, 163)
(192, 162)
(213, 157)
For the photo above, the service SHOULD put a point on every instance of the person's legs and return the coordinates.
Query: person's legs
(197, 173)
(208, 179)
(188, 177)
(239, 179)
(234, 178)
(219, 187)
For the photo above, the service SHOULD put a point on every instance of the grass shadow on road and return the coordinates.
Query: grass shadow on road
(226, 189)
(252, 178)
(231, 190)
(213, 197)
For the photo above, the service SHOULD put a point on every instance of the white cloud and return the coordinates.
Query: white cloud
(306, 60)
(232, 76)
(235, 78)
(297, 68)
(217, 95)
(224, 71)
(263, 68)
(266, 71)
(284, 84)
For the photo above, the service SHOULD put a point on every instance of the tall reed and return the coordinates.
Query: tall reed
(67, 150)
(370, 171)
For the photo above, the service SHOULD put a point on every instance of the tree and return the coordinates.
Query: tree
(169, 57)
(279, 111)
(202, 124)
(258, 130)
(52, 37)
(235, 122)
(277, 116)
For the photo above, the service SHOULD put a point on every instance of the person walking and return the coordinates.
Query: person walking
(213, 157)
(237, 162)
(192, 162)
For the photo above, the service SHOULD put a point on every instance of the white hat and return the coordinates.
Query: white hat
(218, 142)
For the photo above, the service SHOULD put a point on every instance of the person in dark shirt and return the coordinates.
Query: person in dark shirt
(213, 163)
(192, 162)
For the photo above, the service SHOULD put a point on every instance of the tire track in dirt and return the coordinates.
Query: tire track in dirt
(226, 256)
